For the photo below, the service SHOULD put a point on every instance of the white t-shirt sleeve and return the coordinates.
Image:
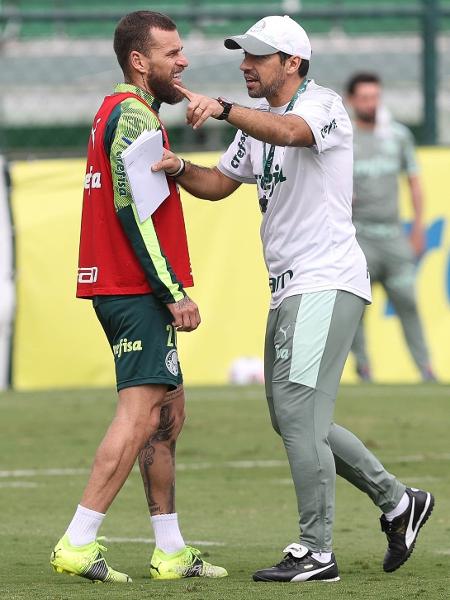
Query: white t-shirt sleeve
(326, 117)
(235, 162)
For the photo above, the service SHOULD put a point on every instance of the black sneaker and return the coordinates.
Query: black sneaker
(299, 565)
(402, 531)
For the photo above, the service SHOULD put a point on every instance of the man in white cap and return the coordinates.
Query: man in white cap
(296, 146)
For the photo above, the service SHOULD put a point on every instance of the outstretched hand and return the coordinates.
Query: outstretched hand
(200, 108)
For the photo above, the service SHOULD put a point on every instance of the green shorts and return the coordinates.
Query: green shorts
(142, 339)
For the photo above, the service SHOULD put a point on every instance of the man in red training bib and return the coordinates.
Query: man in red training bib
(136, 273)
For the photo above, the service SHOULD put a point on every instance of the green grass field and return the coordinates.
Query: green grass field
(233, 493)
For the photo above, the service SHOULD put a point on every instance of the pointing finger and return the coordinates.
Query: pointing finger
(187, 94)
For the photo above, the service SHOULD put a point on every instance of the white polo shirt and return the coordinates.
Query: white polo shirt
(308, 237)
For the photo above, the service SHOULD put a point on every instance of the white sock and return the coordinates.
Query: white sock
(167, 533)
(399, 509)
(322, 557)
(84, 526)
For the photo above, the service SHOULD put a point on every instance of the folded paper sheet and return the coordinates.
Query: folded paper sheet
(148, 189)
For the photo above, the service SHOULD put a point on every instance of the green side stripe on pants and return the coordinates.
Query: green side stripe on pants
(310, 336)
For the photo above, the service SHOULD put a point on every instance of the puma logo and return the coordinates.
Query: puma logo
(284, 331)
(93, 131)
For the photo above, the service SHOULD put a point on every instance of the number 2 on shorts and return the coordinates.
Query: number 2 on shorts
(171, 336)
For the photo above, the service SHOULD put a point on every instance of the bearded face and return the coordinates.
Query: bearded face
(165, 63)
(162, 87)
(365, 101)
(264, 76)
(265, 87)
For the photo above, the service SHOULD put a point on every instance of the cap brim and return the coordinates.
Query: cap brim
(250, 44)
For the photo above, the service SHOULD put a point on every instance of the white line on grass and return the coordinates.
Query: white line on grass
(418, 458)
(43, 472)
(199, 466)
(282, 481)
(202, 466)
(232, 464)
(139, 540)
(18, 484)
(410, 480)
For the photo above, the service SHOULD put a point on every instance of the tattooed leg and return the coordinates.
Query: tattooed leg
(157, 457)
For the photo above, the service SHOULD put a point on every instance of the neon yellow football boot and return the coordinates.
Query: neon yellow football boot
(86, 561)
(185, 563)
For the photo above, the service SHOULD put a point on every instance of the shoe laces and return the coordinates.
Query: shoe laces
(386, 526)
(395, 534)
(100, 546)
(194, 554)
(288, 562)
(193, 560)
(397, 525)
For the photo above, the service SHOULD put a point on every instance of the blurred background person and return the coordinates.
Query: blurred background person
(383, 150)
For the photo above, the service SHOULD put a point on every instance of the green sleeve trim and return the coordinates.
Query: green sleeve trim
(111, 127)
(126, 123)
(145, 243)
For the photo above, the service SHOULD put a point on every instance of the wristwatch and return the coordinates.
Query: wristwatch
(227, 105)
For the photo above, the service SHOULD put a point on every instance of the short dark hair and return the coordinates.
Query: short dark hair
(363, 77)
(133, 33)
(304, 65)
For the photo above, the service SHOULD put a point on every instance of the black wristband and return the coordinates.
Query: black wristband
(227, 106)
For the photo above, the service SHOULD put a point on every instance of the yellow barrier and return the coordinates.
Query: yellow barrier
(59, 343)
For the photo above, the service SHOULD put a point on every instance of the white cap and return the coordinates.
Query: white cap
(271, 35)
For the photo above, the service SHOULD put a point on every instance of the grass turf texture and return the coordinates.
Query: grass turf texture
(248, 507)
